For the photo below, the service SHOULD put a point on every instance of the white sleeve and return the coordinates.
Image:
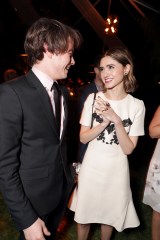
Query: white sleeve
(137, 127)
(86, 116)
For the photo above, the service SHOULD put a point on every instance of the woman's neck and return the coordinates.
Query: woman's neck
(114, 94)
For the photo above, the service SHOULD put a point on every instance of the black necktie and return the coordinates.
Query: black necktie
(57, 101)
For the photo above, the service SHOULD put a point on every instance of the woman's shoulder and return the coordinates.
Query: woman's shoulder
(91, 97)
(136, 104)
(135, 100)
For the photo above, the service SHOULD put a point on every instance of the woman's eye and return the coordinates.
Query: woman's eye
(110, 67)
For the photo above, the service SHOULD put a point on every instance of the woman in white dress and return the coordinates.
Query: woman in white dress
(152, 189)
(103, 194)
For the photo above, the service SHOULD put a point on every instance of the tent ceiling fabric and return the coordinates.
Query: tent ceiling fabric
(24, 7)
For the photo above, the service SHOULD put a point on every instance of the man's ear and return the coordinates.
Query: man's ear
(45, 46)
(49, 54)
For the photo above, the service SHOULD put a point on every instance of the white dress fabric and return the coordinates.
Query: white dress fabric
(103, 193)
(151, 195)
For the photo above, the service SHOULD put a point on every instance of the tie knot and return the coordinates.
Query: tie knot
(55, 87)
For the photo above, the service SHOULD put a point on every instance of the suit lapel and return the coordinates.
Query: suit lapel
(44, 99)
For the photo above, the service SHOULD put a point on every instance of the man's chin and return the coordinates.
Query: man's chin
(65, 75)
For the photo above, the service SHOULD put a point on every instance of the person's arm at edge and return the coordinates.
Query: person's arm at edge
(154, 127)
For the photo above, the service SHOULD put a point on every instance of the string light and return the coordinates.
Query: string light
(111, 25)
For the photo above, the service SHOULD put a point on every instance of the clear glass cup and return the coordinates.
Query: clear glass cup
(77, 166)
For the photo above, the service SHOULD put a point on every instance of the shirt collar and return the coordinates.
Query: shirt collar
(46, 81)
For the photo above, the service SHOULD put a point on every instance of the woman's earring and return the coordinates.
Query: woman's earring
(125, 73)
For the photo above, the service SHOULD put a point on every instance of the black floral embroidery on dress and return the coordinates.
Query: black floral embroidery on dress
(111, 129)
(97, 117)
(114, 139)
(127, 122)
(101, 137)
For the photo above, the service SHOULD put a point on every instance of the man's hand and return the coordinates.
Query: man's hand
(36, 231)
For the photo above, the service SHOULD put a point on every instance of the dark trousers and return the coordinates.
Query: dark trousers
(52, 220)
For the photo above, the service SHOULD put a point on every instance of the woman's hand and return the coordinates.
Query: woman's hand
(109, 114)
(104, 110)
(101, 105)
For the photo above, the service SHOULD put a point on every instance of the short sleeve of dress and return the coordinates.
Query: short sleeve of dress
(137, 127)
(86, 116)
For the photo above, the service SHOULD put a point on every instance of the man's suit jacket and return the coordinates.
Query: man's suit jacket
(32, 156)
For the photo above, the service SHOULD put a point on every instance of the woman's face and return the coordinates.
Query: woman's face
(112, 72)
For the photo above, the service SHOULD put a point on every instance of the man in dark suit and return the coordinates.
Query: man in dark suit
(35, 177)
(95, 86)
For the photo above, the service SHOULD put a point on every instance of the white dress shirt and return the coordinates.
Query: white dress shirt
(47, 82)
